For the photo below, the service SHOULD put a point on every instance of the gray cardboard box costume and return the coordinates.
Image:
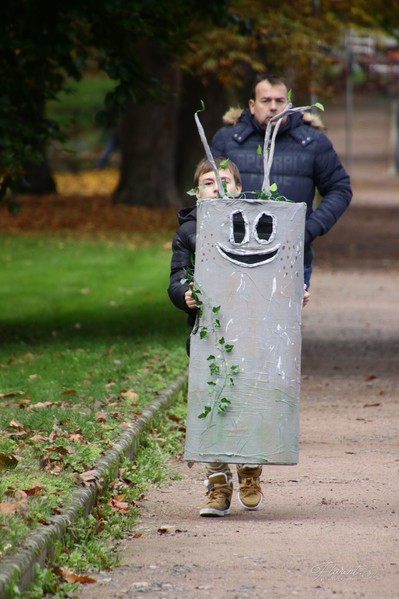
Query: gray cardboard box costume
(246, 346)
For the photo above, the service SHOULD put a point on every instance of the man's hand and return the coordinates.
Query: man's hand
(306, 296)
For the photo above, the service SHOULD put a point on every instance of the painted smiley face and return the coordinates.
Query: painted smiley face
(245, 236)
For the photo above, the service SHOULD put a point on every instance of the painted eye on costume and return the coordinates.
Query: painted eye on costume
(263, 228)
(240, 228)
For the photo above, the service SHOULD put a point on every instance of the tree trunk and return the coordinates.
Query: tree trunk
(160, 144)
(147, 136)
(38, 178)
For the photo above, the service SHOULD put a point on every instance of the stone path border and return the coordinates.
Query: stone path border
(19, 567)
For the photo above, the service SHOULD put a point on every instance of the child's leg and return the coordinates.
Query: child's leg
(213, 467)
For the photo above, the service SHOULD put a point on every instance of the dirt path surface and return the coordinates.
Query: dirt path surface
(329, 526)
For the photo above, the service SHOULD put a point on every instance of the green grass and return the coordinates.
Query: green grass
(87, 336)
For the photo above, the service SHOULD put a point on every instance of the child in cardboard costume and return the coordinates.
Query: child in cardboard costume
(243, 400)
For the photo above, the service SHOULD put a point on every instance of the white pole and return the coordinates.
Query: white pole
(349, 103)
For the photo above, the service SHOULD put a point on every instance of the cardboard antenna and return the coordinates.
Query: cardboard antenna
(268, 153)
(208, 153)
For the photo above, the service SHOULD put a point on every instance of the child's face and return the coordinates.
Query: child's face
(208, 187)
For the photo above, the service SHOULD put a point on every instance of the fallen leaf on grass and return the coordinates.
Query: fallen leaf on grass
(101, 416)
(175, 418)
(51, 466)
(8, 460)
(19, 403)
(77, 436)
(17, 429)
(89, 477)
(38, 438)
(70, 576)
(35, 489)
(117, 503)
(43, 404)
(11, 394)
(17, 425)
(60, 449)
(131, 395)
(10, 507)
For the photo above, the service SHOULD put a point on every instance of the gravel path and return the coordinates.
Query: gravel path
(329, 526)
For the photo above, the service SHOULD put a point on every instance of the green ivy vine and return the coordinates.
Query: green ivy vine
(221, 372)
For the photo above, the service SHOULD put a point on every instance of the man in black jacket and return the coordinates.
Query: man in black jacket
(304, 159)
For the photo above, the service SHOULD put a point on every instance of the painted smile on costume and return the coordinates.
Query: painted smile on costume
(248, 258)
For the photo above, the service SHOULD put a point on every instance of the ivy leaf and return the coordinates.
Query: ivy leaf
(214, 368)
(228, 347)
(217, 324)
(205, 411)
(221, 341)
(203, 333)
(319, 106)
(223, 405)
(224, 164)
(211, 383)
(234, 369)
(259, 150)
(216, 309)
(273, 187)
(211, 357)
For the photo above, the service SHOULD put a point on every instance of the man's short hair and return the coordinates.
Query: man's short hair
(204, 166)
(272, 79)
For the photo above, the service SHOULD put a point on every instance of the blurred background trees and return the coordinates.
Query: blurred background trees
(151, 63)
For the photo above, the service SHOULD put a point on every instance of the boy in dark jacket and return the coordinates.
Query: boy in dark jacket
(183, 246)
(219, 476)
(304, 158)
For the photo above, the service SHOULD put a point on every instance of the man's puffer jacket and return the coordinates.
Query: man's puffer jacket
(304, 160)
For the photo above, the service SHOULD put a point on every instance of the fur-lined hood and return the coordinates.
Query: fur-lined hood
(232, 115)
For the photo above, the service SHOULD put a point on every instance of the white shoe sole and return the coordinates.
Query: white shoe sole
(211, 512)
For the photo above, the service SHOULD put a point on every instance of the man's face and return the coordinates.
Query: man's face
(208, 187)
(269, 101)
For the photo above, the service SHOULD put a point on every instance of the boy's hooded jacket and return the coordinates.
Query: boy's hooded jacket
(183, 251)
(304, 160)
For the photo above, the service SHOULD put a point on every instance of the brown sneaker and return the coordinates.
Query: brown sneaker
(220, 491)
(250, 494)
